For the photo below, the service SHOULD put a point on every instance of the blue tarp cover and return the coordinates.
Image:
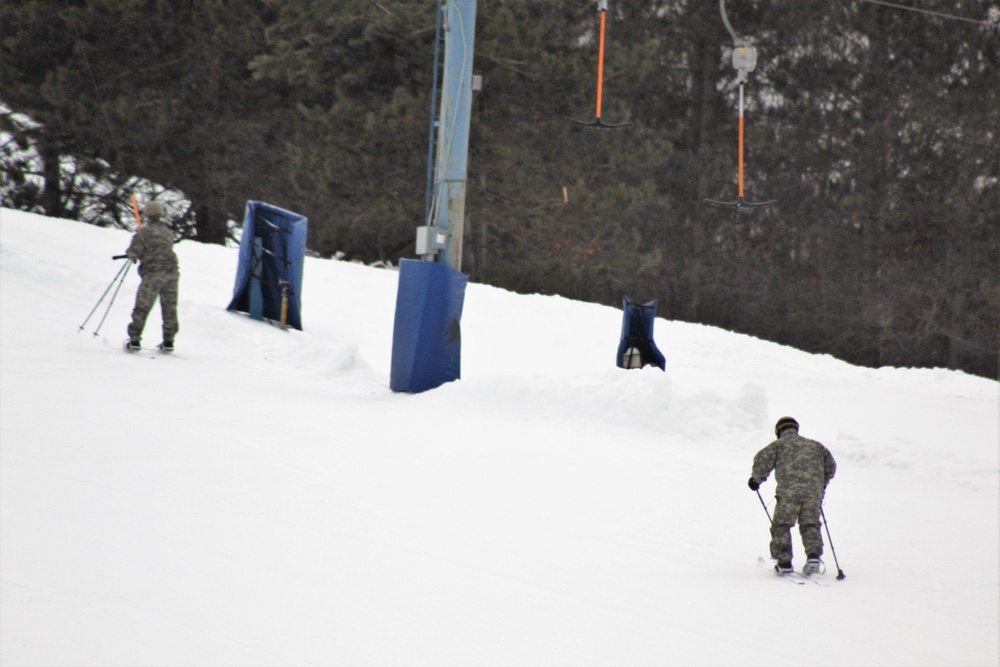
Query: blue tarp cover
(637, 332)
(427, 334)
(280, 258)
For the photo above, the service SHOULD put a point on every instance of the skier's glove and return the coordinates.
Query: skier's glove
(753, 484)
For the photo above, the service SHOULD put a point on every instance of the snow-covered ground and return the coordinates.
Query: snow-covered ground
(263, 498)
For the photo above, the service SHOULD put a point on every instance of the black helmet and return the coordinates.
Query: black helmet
(783, 423)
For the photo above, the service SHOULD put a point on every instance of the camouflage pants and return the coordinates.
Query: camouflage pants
(159, 284)
(788, 511)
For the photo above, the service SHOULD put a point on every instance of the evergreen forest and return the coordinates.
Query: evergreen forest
(874, 126)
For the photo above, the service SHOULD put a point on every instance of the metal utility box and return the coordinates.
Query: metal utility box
(430, 240)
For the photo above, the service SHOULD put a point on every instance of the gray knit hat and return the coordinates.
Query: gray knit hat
(153, 210)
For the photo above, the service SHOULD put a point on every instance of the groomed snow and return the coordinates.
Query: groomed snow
(263, 498)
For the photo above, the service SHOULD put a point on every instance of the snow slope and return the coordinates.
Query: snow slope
(263, 498)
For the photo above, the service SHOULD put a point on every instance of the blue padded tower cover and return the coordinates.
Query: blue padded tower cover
(427, 334)
(637, 332)
(280, 237)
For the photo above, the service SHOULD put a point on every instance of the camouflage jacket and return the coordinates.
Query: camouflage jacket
(802, 467)
(153, 247)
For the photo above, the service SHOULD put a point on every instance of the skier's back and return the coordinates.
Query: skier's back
(802, 469)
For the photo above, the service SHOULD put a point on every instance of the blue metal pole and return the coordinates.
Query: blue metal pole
(434, 119)
(453, 136)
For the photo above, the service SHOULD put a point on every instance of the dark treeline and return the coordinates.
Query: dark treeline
(876, 129)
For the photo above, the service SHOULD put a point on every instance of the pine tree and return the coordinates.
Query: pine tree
(152, 89)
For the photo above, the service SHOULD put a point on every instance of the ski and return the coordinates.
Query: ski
(150, 354)
(787, 576)
(817, 579)
(138, 353)
(145, 355)
(794, 577)
(813, 578)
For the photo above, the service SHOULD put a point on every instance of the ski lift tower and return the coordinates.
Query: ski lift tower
(447, 210)
(426, 342)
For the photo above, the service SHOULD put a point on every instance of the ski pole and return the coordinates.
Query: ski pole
(118, 275)
(764, 505)
(135, 209)
(840, 573)
(114, 296)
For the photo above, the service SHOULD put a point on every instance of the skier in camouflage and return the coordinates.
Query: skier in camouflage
(802, 468)
(153, 247)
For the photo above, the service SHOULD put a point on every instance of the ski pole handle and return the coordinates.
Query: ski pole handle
(119, 257)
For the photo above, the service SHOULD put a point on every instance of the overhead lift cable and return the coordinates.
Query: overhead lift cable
(993, 21)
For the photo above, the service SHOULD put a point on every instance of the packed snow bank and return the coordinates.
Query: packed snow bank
(263, 498)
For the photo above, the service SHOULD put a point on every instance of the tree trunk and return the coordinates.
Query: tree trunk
(210, 225)
(52, 195)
